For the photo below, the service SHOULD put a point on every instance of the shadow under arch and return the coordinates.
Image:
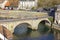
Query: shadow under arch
(21, 28)
(44, 21)
(43, 26)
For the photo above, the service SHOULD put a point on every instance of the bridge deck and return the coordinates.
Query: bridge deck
(21, 14)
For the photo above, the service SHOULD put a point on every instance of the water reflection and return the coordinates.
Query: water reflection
(35, 35)
(42, 28)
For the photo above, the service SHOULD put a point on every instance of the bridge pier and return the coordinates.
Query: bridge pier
(34, 27)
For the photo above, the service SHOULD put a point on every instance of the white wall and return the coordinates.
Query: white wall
(27, 4)
(57, 16)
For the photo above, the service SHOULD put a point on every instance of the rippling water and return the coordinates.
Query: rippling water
(34, 35)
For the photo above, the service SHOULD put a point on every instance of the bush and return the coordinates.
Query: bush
(51, 19)
(33, 8)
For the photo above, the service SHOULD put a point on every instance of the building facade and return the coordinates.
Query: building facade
(27, 4)
(57, 16)
(20, 4)
(4, 4)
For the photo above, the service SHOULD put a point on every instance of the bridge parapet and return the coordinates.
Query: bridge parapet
(22, 14)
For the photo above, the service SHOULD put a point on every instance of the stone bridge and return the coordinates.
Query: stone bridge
(13, 20)
(30, 23)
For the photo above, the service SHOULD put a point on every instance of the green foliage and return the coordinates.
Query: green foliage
(51, 19)
(0, 7)
(32, 8)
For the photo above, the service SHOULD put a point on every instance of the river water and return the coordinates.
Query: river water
(35, 35)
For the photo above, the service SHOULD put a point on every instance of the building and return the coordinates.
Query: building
(1, 1)
(19, 4)
(57, 15)
(14, 3)
(27, 4)
(5, 4)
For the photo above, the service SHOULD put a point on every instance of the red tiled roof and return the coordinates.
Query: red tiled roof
(7, 3)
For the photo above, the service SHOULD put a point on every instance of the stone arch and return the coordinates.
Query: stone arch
(44, 27)
(47, 20)
(21, 28)
(44, 20)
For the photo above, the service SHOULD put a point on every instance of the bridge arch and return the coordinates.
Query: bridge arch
(44, 22)
(21, 28)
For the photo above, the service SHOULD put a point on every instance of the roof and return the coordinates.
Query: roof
(14, 3)
(7, 3)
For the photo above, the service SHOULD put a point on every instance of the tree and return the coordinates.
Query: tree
(48, 3)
